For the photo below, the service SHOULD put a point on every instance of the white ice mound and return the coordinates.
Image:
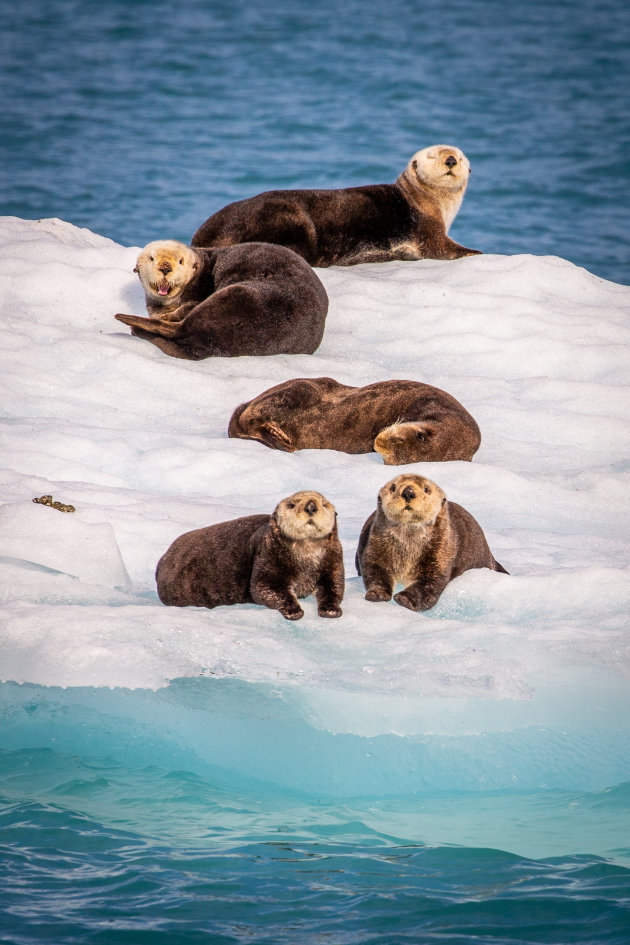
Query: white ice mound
(44, 536)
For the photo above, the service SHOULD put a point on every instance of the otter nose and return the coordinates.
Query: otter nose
(408, 493)
(450, 161)
(311, 507)
(165, 267)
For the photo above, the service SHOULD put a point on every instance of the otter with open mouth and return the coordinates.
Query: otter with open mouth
(264, 559)
(419, 540)
(255, 299)
(408, 219)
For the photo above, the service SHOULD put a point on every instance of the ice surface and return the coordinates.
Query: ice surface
(36, 534)
(535, 348)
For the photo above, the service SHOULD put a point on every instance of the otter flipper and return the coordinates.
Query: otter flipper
(272, 435)
(153, 326)
(268, 433)
(453, 250)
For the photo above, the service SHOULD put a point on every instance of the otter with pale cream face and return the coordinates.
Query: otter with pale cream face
(409, 219)
(264, 559)
(255, 299)
(404, 421)
(419, 540)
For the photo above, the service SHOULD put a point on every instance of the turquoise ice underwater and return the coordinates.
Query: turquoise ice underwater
(224, 776)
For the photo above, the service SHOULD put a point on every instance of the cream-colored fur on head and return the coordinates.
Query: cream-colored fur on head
(399, 442)
(444, 170)
(305, 515)
(411, 500)
(165, 268)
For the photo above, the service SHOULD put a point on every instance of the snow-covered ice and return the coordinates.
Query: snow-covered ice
(534, 347)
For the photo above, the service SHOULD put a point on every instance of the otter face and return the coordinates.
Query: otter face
(403, 443)
(441, 166)
(165, 268)
(305, 515)
(411, 500)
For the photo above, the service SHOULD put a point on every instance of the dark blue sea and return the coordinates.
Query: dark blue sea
(137, 120)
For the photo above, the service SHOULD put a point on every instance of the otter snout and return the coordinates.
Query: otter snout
(311, 507)
(419, 500)
(451, 161)
(165, 267)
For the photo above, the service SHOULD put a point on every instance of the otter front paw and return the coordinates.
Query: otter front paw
(292, 612)
(378, 594)
(412, 600)
(330, 611)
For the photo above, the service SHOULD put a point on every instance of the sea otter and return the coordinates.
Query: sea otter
(263, 559)
(404, 421)
(254, 299)
(409, 219)
(419, 540)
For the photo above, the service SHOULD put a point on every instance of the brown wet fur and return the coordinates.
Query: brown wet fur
(405, 421)
(419, 539)
(254, 299)
(265, 559)
(371, 223)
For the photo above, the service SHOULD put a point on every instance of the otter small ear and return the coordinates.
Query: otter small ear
(414, 164)
(135, 269)
(443, 502)
(195, 265)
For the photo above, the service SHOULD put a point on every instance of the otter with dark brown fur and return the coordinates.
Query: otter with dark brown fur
(263, 559)
(409, 219)
(419, 540)
(404, 421)
(255, 299)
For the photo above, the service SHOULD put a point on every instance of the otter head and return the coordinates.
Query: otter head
(444, 171)
(165, 268)
(305, 515)
(441, 166)
(411, 500)
(404, 442)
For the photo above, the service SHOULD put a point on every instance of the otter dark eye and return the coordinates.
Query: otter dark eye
(420, 436)
(392, 488)
(290, 505)
(427, 490)
(181, 262)
(151, 258)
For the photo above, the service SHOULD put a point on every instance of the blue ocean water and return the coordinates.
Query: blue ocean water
(213, 811)
(137, 121)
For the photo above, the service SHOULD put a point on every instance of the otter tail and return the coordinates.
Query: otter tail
(153, 326)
